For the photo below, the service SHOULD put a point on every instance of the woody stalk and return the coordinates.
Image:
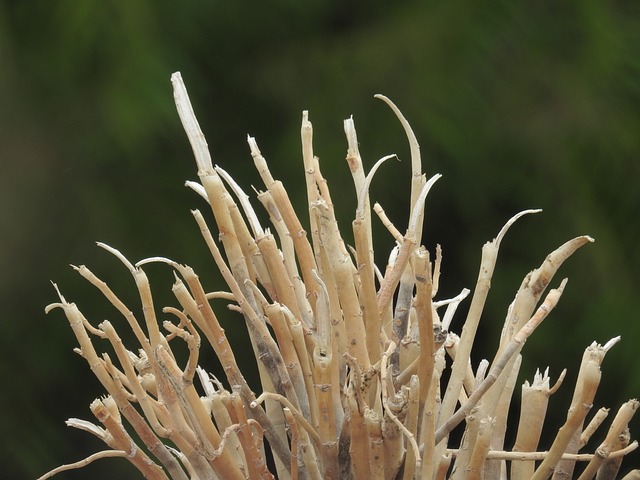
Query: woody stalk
(350, 356)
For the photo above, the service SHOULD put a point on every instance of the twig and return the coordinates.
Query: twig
(514, 346)
(83, 463)
(537, 456)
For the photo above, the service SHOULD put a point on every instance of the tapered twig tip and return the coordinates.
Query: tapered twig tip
(607, 346)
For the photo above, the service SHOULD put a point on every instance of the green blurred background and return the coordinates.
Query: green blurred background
(518, 104)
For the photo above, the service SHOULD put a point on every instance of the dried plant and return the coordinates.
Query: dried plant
(350, 357)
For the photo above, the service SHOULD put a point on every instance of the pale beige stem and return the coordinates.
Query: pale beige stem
(594, 353)
(480, 449)
(280, 326)
(430, 462)
(424, 312)
(365, 261)
(391, 278)
(401, 359)
(289, 257)
(611, 466)
(417, 179)
(251, 446)
(343, 273)
(533, 411)
(297, 233)
(116, 302)
(201, 312)
(123, 441)
(376, 447)
(224, 423)
(144, 290)
(618, 426)
(313, 195)
(470, 326)
(283, 285)
(300, 338)
(140, 393)
(537, 456)
(326, 392)
(509, 352)
(577, 414)
(412, 463)
(592, 426)
(394, 405)
(497, 468)
(358, 447)
(534, 285)
(293, 429)
(139, 424)
(395, 233)
(83, 463)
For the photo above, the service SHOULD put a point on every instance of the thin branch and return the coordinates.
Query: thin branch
(84, 462)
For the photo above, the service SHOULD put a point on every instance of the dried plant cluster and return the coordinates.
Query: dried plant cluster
(350, 357)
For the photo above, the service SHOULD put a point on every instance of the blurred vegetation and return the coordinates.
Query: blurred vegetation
(519, 105)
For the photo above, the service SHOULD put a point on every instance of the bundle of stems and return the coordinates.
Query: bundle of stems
(350, 357)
